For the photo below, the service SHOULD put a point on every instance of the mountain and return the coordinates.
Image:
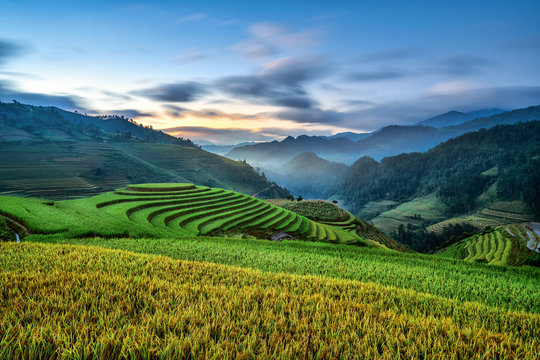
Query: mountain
(452, 118)
(21, 122)
(273, 155)
(388, 141)
(307, 175)
(459, 177)
(349, 135)
(51, 153)
(224, 149)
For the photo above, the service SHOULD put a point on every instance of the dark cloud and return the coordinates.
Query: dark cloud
(9, 50)
(280, 82)
(129, 113)
(463, 65)
(313, 115)
(212, 114)
(68, 102)
(116, 96)
(174, 110)
(208, 130)
(174, 92)
(377, 75)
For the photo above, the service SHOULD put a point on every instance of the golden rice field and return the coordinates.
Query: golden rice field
(66, 301)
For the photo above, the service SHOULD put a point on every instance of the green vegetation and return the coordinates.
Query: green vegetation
(464, 175)
(505, 245)
(166, 210)
(331, 214)
(418, 212)
(120, 304)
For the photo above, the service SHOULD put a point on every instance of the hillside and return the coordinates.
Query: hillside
(50, 153)
(165, 210)
(514, 244)
(465, 174)
(21, 122)
(388, 141)
(331, 214)
(307, 175)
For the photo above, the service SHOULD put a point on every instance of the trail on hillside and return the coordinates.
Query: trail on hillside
(263, 190)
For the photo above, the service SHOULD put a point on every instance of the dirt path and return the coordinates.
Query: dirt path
(269, 187)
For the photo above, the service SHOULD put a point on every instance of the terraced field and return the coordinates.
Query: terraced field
(168, 210)
(331, 214)
(499, 213)
(201, 210)
(416, 212)
(507, 245)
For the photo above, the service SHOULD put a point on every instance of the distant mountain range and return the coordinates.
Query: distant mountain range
(388, 141)
(224, 149)
(452, 118)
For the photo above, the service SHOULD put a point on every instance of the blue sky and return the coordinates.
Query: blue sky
(235, 71)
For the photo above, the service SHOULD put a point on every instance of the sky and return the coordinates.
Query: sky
(226, 72)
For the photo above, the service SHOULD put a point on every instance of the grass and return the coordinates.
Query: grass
(515, 288)
(63, 301)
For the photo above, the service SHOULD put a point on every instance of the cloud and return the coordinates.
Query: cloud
(280, 82)
(464, 65)
(8, 50)
(451, 87)
(313, 115)
(212, 114)
(190, 55)
(64, 101)
(221, 136)
(447, 97)
(268, 39)
(255, 49)
(174, 110)
(174, 92)
(377, 75)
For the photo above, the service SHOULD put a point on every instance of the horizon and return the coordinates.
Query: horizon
(230, 74)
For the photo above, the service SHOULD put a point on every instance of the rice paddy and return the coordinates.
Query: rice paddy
(505, 245)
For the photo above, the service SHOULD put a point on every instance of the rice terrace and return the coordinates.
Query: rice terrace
(269, 180)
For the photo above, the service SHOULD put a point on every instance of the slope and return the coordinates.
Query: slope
(165, 210)
(51, 153)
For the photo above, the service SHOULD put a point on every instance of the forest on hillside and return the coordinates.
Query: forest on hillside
(454, 171)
